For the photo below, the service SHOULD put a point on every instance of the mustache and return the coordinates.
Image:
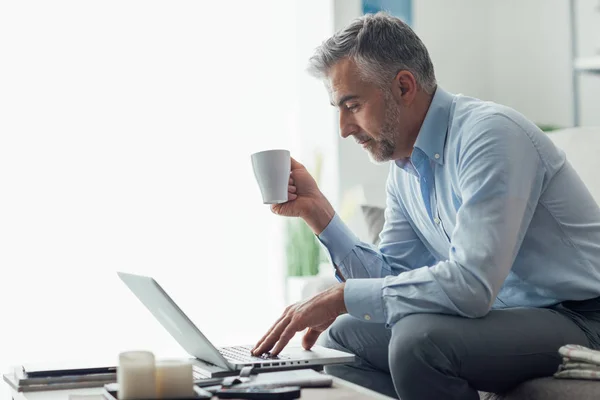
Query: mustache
(360, 138)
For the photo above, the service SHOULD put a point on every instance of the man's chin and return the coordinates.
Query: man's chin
(375, 154)
(376, 158)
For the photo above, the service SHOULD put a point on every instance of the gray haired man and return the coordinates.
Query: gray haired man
(489, 259)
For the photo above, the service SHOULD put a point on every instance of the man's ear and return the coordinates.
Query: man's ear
(404, 87)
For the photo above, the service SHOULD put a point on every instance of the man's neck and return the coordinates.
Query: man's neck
(423, 102)
(421, 105)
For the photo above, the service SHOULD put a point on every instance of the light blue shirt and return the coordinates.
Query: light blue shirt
(487, 213)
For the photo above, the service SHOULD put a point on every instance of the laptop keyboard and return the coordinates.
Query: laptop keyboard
(243, 354)
(197, 375)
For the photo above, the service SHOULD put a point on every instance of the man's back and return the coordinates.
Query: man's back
(559, 253)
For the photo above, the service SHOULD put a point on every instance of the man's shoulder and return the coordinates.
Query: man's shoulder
(474, 119)
(486, 127)
(472, 114)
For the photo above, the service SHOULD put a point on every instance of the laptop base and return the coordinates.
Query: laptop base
(203, 370)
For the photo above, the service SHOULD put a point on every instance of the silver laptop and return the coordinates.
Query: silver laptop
(215, 361)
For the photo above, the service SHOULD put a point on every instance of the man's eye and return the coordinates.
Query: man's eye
(351, 107)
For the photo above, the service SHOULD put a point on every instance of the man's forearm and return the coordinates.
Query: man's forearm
(320, 216)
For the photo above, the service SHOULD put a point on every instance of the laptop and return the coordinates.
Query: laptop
(213, 361)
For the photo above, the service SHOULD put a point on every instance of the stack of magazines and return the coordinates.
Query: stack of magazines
(25, 379)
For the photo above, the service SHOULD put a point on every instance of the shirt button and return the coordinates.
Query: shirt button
(437, 155)
(437, 221)
(367, 317)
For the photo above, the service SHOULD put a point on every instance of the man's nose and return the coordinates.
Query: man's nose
(347, 127)
(345, 132)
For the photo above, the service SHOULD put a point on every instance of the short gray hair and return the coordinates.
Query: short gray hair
(381, 45)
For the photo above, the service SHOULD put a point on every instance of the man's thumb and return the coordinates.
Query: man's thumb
(310, 338)
(295, 164)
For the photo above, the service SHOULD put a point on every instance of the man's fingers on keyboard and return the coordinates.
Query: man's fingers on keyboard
(262, 339)
(268, 343)
(257, 351)
(273, 337)
(259, 343)
(264, 347)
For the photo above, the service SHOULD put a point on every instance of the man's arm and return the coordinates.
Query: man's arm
(400, 248)
(500, 178)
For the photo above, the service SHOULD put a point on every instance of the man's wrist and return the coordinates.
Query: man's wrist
(319, 217)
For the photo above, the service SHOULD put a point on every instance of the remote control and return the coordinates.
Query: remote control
(260, 393)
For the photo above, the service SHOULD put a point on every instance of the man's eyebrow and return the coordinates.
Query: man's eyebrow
(345, 99)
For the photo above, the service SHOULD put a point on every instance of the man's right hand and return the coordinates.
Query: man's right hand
(305, 200)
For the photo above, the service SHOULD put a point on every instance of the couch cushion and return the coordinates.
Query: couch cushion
(374, 218)
(582, 147)
(550, 389)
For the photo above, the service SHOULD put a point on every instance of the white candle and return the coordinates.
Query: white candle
(174, 379)
(136, 375)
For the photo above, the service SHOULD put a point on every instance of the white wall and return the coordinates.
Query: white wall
(455, 34)
(531, 48)
(588, 24)
(530, 58)
(313, 125)
(513, 52)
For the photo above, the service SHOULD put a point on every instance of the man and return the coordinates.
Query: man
(489, 259)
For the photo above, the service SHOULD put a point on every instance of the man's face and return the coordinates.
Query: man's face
(369, 114)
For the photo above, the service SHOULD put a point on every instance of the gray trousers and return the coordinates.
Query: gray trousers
(433, 356)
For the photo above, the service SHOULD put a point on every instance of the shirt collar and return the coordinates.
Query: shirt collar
(432, 135)
(407, 165)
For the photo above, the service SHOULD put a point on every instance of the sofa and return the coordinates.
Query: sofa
(582, 148)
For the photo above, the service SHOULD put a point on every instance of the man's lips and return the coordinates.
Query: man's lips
(363, 142)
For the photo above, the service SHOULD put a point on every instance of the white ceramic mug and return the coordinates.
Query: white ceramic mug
(272, 171)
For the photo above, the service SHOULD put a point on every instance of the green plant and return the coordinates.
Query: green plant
(303, 250)
(548, 127)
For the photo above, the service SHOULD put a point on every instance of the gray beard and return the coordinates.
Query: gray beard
(382, 153)
(386, 145)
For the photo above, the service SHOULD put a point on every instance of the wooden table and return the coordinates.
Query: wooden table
(341, 390)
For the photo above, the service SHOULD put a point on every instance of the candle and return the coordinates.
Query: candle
(174, 379)
(136, 375)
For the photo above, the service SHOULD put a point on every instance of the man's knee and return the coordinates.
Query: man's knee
(367, 341)
(339, 335)
(420, 342)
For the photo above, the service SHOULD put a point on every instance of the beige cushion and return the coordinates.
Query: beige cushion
(582, 147)
(374, 218)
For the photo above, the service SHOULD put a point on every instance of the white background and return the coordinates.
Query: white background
(126, 129)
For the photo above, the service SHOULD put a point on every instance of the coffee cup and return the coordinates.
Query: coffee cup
(272, 172)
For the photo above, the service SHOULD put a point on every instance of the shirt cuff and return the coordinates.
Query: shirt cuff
(364, 299)
(338, 239)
